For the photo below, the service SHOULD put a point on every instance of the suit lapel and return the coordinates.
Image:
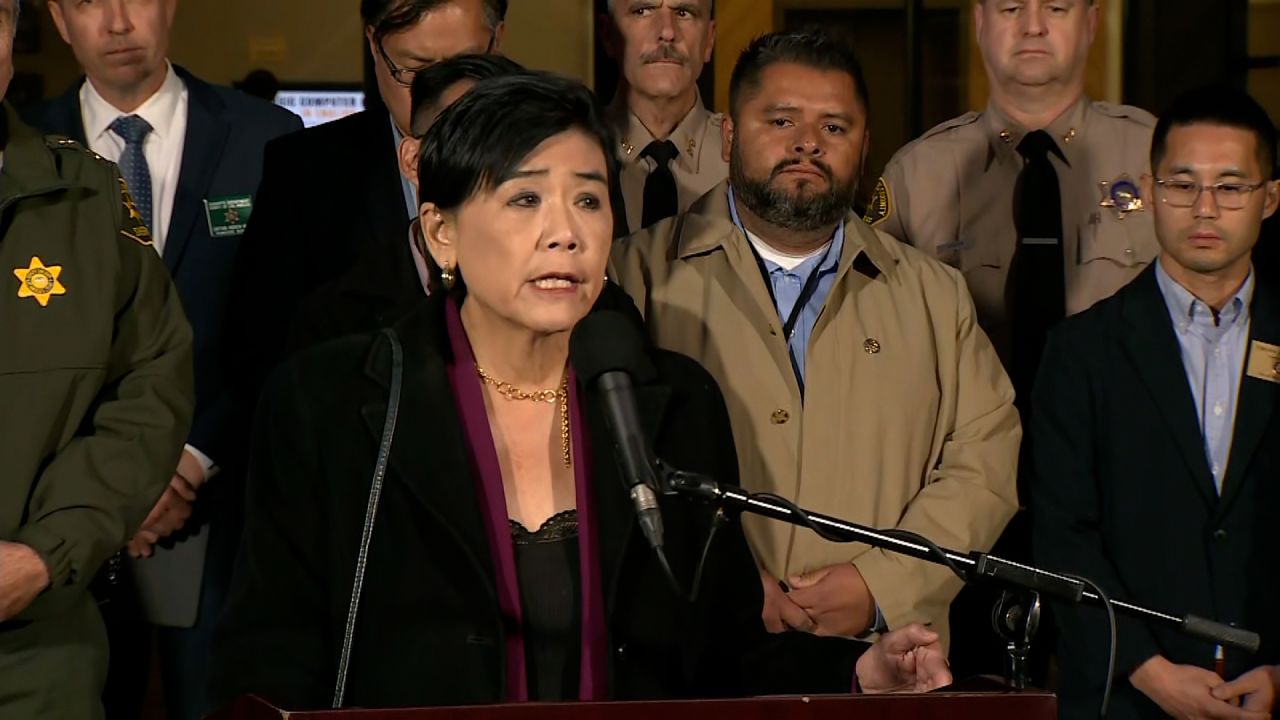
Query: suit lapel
(63, 116)
(204, 145)
(1257, 398)
(428, 451)
(387, 217)
(1157, 359)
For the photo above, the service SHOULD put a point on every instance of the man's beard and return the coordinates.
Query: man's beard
(787, 210)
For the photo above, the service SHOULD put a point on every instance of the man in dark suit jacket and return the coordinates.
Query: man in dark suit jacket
(192, 155)
(333, 208)
(1157, 435)
(357, 302)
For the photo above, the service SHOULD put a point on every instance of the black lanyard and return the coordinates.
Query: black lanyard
(806, 294)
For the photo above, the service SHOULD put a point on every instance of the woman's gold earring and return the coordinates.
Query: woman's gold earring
(448, 277)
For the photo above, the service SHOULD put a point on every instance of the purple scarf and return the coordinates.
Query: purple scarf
(469, 396)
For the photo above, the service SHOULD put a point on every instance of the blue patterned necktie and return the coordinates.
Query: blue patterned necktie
(133, 164)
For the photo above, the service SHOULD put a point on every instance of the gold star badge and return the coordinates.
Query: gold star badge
(1122, 196)
(39, 281)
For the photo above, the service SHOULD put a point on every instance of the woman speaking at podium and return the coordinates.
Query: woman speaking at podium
(498, 552)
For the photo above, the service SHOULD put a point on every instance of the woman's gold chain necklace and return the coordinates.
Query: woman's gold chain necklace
(559, 395)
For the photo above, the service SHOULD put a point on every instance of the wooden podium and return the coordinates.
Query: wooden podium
(1033, 705)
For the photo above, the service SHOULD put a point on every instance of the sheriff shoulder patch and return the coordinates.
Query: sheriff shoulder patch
(881, 205)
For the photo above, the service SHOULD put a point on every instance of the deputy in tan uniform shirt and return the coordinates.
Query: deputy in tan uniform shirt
(697, 168)
(661, 47)
(951, 192)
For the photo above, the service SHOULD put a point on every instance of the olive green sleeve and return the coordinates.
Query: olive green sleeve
(96, 491)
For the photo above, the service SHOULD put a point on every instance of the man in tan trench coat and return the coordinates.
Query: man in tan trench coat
(908, 417)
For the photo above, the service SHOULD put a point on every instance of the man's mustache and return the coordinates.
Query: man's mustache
(824, 168)
(664, 53)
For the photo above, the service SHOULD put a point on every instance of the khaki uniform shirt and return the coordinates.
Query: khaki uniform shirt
(697, 169)
(907, 420)
(950, 194)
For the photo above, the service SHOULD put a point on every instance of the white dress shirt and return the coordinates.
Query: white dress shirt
(166, 111)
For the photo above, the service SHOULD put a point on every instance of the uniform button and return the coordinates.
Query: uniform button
(780, 416)
(1220, 535)
(1128, 251)
(1217, 352)
(621, 649)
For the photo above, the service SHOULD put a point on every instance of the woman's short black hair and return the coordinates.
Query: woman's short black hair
(812, 47)
(1217, 105)
(478, 142)
(431, 82)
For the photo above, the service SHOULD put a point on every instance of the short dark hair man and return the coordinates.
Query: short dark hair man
(358, 302)
(333, 194)
(856, 376)
(1157, 433)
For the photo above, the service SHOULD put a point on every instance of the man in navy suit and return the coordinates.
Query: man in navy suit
(333, 208)
(1157, 435)
(192, 156)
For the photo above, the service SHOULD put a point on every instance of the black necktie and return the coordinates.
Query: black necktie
(1037, 285)
(660, 197)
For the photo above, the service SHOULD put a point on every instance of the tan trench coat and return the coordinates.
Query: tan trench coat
(908, 417)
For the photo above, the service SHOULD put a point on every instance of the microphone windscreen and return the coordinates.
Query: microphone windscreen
(606, 341)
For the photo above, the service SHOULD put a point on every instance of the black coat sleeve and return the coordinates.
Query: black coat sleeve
(268, 642)
(270, 252)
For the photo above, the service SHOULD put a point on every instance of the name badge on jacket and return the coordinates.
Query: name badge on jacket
(228, 215)
(1264, 361)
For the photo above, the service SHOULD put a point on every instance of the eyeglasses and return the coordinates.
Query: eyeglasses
(404, 75)
(1227, 196)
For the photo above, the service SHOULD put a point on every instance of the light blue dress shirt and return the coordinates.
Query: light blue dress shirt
(1213, 352)
(788, 284)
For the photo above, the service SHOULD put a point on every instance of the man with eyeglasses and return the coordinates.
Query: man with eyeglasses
(1036, 201)
(1157, 435)
(332, 197)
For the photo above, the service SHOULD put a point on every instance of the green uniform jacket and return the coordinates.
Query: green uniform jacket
(96, 388)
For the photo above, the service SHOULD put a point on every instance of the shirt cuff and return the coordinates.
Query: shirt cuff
(878, 626)
(211, 468)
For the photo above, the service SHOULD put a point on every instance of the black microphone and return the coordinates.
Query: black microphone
(608, 353)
